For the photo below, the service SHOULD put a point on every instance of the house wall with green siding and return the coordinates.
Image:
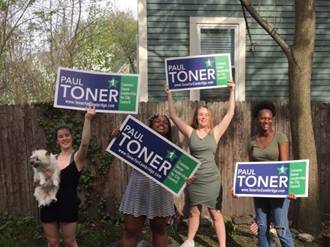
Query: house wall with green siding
(266, 64)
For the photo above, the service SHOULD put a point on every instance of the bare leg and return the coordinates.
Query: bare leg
(193, 223)
(159, 232)
(132, 229)
(69, 234)
(219, 225)
(51, 231)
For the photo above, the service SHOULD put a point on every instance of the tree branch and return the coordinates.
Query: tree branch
(7, 36)
(70, 46)
(267, 27)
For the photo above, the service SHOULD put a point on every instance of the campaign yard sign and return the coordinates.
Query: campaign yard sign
(198, 72)
(109, 92)
(271, 179)
(153, 155)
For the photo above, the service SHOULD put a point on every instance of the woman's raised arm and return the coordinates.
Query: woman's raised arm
(81, 154)
(185, 129)
(220, 128)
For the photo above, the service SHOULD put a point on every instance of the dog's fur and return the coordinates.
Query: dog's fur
(47, 184)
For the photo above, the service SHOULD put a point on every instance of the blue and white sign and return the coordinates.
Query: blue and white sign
(153, 155)
(109, 92)
(198, 72)
(271, 179)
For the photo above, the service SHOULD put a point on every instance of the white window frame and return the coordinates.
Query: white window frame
(143, 50)
(236, 23)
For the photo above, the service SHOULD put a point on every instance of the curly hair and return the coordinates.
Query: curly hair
(168, 135)
(264, 105)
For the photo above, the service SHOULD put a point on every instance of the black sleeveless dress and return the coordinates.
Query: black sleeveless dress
(65, 209)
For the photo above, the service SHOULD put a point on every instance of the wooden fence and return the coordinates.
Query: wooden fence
(20, 133)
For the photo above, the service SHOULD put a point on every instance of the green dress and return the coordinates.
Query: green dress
(205, 189)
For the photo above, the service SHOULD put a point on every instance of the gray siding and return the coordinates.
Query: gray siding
(266, 67)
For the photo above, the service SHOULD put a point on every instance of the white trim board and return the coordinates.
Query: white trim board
(143, 49)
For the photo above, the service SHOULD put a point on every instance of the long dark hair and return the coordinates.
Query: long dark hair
(168, 135)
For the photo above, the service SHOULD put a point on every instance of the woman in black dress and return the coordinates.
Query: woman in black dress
(62, 215)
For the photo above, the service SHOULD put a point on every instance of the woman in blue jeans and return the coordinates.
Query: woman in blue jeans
(269, 145)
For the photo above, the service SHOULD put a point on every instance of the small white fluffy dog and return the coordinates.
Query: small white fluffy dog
(46, 176)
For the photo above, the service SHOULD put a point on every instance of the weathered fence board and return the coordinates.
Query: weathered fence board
(20, 133)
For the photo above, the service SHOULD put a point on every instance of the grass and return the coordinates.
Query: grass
(238, 236)
(27, 232)
(20, 232)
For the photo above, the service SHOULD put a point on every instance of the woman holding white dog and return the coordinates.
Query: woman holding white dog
(63, 214)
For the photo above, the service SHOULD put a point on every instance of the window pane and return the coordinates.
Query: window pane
(217, 40)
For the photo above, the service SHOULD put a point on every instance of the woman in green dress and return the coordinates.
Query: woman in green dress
(203, 139)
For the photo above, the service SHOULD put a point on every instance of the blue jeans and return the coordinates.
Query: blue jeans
(273, 210)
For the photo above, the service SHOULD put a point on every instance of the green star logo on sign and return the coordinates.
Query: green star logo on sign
(171, 155)
(208, 63)
(112, 83)
(281, 170)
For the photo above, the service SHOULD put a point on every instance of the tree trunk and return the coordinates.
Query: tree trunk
(300, 70)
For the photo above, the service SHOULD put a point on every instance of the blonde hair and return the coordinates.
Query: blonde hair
(194, 122)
